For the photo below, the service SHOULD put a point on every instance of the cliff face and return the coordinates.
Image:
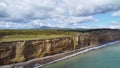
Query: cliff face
(18, 51)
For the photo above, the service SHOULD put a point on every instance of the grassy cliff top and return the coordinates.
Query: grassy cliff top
(16, 35)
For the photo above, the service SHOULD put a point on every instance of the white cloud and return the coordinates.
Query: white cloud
(60, 12)
(116, 13)
(82, 19)
(114, 25)
(46, 8)
(81, 7)
(11, 25)
(64, 21)
(57, 22)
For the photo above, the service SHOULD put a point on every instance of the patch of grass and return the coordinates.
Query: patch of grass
(16, 35)
(28, 37)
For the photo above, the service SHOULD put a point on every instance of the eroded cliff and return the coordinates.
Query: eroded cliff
(19, 51)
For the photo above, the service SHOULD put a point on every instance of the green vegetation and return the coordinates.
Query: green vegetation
(28, 37)
(15, 35)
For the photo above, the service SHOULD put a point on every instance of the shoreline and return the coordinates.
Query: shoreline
(40, 62)
(84, 51)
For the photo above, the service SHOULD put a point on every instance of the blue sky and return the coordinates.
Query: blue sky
(25, 14)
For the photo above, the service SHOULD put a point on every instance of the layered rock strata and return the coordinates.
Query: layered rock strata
(19, 51)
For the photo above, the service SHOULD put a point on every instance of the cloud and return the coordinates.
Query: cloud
(116, 13)
(60, 12)
(30, 24)
(64, 21)
(82, 19)
(84, 8)
(57, 22)
(11, 25)
(44, 9)
(114, 25)
(26, 8)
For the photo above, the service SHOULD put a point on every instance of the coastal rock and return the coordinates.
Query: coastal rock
(19, 51)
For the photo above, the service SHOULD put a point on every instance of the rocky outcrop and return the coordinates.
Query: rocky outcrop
(19, 51)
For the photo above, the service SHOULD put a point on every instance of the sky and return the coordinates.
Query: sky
(27, 14)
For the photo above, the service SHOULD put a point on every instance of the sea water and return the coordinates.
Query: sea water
(107, 57)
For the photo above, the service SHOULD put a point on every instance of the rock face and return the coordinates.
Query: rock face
(19, 51)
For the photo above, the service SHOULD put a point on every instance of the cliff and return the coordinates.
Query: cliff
(19, 51)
